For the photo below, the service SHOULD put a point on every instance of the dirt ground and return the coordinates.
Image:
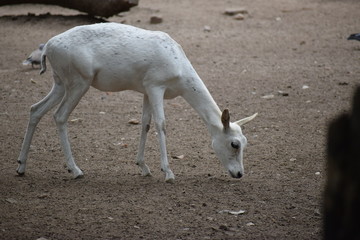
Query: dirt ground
(294, 53)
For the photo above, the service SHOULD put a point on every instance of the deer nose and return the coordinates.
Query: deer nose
(236, 175)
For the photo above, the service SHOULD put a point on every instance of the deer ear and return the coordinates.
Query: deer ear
(246, 120)
(225, 119)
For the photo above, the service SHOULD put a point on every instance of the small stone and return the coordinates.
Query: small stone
(317, 173)
(268, 96)
(224, 227)
(134, 121)
(250, 224)
(178, 157)
(76, 120)
(156, 19)
(43, 195)
(207, 28)
(234, 11)
(239, 16)
(11, 200)
(305, 87)
(284, 94)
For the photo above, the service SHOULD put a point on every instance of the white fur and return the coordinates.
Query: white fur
(116, 57)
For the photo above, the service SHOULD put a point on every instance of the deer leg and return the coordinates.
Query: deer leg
(37, 111)
(145, 126)
(72, 97)
(156, 98)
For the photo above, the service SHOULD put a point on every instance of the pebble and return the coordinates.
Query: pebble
(11, 200)
(76, 120)
(268, 96)
(178, 157)
(224, 227)
(234, 11)
(134, 121)
(207, 28)
(156, 19)
(284, 94)
(43, 195)
(305, 87)
(239, 16)
(233, 212)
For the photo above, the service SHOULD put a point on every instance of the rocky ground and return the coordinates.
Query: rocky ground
(287, 60)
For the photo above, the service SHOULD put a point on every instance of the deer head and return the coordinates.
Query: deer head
(229, 144)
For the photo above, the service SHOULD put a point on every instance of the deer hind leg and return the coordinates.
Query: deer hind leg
(156, 99)
(37, 111)
(72, 97)
(145, 126)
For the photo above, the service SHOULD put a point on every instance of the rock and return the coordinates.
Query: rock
(235, 11)
(156, 19)
(11, 200)
(268, 96)
(134, 121)
(104, 8)
(178, 157)
(239, 16)
(43, 195)
(282, 93)
(207, 28)
(233, 212)
(305, 87)
(76, 120)
(224, 227)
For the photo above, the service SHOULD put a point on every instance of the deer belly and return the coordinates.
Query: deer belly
(111, 82)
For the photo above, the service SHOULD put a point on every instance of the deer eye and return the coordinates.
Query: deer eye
(235, 145)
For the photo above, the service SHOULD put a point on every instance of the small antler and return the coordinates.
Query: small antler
(246, 120)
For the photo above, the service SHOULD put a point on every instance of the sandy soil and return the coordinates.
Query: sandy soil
(297, 47)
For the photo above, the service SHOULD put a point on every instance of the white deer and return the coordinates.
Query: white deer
(117, 57)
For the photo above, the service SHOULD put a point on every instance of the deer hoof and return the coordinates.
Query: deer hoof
(21, 170)
(170, 178)
(78, 174)
(145, 171)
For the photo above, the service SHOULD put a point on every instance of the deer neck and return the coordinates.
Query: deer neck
(198, 96)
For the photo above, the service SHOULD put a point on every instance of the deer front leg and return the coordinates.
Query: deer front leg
(156, 98)
(145, 126)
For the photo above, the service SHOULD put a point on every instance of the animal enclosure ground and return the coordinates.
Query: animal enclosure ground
(287, 60)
